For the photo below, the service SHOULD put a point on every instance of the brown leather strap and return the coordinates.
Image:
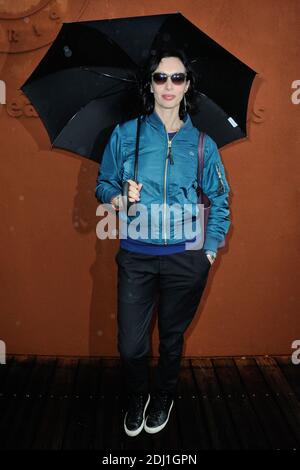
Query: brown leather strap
(200, 165)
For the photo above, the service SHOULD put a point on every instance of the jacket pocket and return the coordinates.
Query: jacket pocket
(221, 186)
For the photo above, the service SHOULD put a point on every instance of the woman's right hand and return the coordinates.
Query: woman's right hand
(133, 194)
(134, 190)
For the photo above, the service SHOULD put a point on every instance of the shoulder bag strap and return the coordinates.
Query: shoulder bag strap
(200, 166)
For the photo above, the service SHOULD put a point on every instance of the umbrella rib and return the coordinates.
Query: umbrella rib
(85, 69)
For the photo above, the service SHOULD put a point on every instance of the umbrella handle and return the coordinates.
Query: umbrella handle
(125, 183)
(137, 144)
(125, 187)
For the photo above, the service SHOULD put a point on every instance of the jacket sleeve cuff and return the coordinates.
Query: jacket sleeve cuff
(109, 194)
(211, 244)
(209, 252)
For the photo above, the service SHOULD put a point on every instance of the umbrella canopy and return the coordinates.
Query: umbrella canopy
(90, 80)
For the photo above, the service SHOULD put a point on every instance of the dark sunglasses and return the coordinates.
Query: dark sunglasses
(177, 78)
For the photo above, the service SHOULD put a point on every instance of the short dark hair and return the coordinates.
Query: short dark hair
(147, 98)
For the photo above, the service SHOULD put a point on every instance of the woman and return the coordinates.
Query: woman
(159, 266)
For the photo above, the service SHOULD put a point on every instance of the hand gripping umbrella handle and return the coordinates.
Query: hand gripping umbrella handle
(126, 184)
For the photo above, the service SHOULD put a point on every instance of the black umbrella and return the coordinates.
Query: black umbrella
(90, 79)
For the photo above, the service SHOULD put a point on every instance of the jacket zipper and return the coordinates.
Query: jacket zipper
(170, 152)
(169, 157)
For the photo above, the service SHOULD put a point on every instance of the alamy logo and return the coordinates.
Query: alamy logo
(296, 354)
(159, 220)
(295, 97)
(2, 352)
(2, 92)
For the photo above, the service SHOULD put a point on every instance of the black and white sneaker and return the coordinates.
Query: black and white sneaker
(159, 412)
(135, 416)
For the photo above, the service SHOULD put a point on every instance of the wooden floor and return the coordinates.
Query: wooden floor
(222, 403)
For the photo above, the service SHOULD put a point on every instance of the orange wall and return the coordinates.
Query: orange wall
(58, 281)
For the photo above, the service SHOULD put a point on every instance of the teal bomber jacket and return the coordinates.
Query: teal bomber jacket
(169, 177)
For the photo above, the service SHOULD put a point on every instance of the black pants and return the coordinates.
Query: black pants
(176, 282)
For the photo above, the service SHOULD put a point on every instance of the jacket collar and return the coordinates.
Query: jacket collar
(154, 120)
